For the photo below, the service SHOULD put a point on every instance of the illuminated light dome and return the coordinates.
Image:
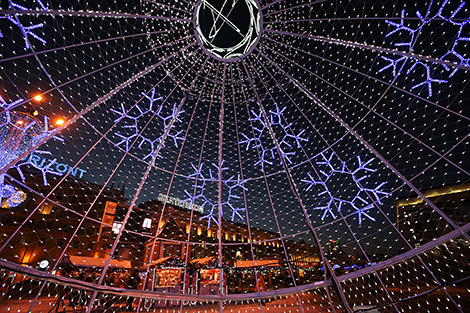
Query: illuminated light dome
(234, 156)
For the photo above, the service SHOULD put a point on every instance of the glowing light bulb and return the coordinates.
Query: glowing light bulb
(38, 98)
(60, 122)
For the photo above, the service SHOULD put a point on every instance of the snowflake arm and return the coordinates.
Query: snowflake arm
(44, 169)
(276, 116)
(376, 192)
(210, 217)
(428, 80)
(311, 182)
(362, 213)
(393, 63)
(26, 30)
(327, 209)
(298, 138)
(6, 105)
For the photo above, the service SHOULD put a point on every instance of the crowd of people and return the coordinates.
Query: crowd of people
(116, 277)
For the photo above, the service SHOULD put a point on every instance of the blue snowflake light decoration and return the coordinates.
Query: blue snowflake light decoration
(288, 140)
(362, 198)
(232, 186)
(26, 31)
(454, 52)
(134, 127)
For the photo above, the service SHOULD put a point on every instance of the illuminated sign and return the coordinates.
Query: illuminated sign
(177, 202)
(61, 168)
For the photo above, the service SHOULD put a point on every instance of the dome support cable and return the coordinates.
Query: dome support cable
(281, 237)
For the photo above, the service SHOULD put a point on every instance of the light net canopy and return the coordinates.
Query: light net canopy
(234, 156)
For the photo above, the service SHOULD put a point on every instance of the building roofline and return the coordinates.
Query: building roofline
(434, 192)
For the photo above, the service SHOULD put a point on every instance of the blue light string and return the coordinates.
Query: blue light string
(25, 30)
(232, 186)
(131, 122)
(360, 202)
(453, 51)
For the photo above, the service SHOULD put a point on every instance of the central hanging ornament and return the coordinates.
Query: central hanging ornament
(227, 30)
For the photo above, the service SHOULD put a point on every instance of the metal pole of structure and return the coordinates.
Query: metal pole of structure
(186, 276)
(326, 263)
(221, 137)
(158, 231)
(272, 205)
(250, 237)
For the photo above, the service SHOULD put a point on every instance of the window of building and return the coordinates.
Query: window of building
(116, 227)
(23, 240)
(4, 204)
(46, 209)
(147, 223)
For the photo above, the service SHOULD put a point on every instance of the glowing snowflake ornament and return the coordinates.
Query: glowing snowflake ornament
(361, 199)
(287, 138)
(135, 126)
(26, 31)
(454, 52)
(200, 195)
